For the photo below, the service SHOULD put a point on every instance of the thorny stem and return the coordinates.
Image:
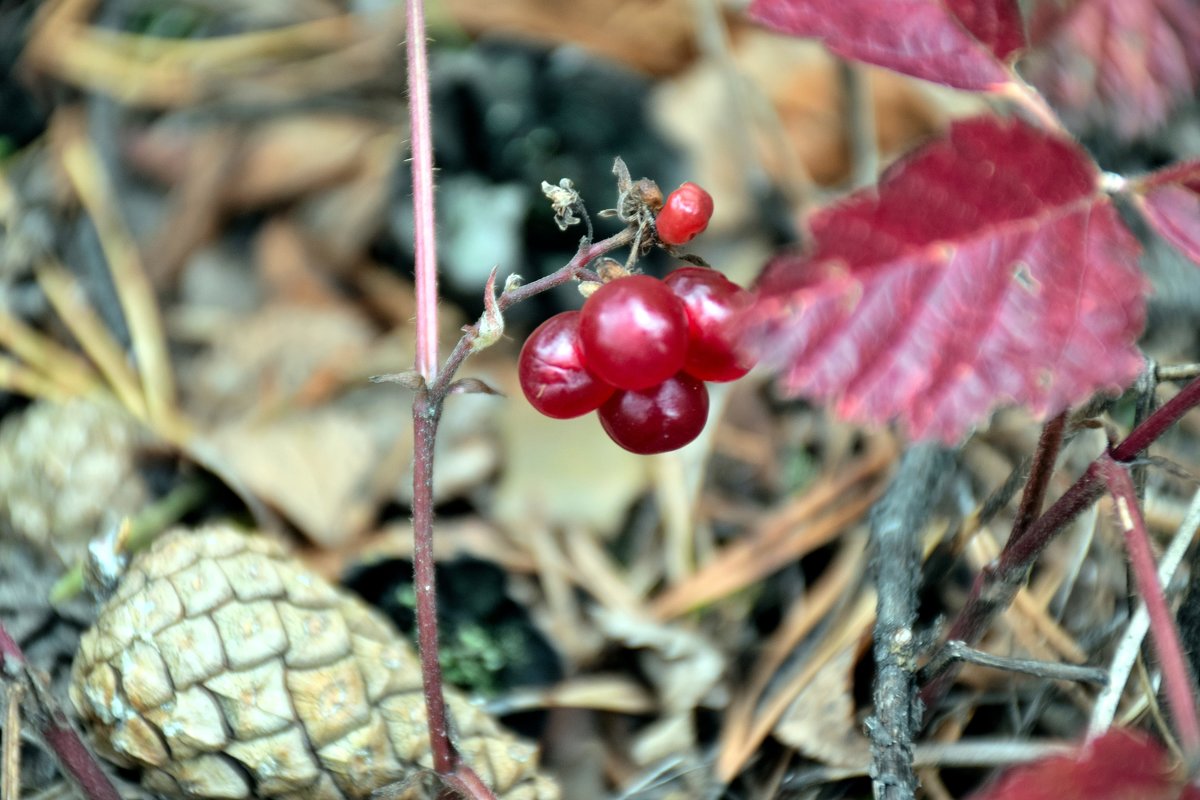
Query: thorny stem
(998, 583)
(425, 238)
(73, 755)
(1176, 676)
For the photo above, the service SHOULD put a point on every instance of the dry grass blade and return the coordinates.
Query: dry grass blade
(811, 521)
(19, 379)
(170, 73)
(852, 626)
(69, 301)
(138, 302)
(46, 356)
(801, 619)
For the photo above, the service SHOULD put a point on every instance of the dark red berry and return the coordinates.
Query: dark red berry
(655, 420)
(713, 304)
(634, 332)
(552, 371)
(684, 215)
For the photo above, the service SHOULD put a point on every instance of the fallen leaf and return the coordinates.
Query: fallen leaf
(985, 270)
(820, 721)
(311, 465)
(276, 161)
(562, 472)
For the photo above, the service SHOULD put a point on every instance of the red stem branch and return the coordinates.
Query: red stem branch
(73, 756)
(1040, 472)
(1177, 678)
(997, 584)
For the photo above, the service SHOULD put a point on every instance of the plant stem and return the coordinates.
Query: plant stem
(73, 755)
(1040, 472)
(1176, 676)
(997, 584)
(424, 224)
(427, 411)
(425, 420)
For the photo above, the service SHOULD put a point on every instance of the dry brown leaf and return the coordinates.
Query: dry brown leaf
(654, 36)
(686, 669)
(277, 160)
(311, 465)
(562, 472)
(788, 115)
(820, 721)
(265, 359)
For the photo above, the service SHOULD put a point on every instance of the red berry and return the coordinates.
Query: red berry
(684, 215)
(655, 420)
(552, 370)
(713, 303)
(634, 332)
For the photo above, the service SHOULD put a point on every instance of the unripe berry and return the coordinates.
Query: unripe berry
(684, 215)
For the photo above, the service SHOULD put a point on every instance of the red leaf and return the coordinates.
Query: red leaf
(1170, 200)
(985, 269)
(960, 43)
(1120, 765)
(1118, 64)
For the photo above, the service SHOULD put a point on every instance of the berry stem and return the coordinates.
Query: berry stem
(73, 755)
(424, 224)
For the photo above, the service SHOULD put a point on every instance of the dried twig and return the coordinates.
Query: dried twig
(896, 524)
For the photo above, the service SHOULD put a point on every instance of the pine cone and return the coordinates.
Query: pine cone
(67, 471)
(225, 669)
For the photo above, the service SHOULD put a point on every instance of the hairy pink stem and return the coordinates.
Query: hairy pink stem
(424, 224)
(73, 755)
(1176, 676)
(427, 411)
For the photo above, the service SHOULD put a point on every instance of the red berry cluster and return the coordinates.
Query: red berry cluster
(639, 353)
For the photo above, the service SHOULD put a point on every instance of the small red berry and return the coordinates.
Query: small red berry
(713, 303)
(634, 332)
(684, 215)
(655, 420)
(553, 373)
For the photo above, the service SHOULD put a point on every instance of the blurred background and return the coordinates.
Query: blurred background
(205, 251)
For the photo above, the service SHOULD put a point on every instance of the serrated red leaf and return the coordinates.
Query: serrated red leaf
(1121, 65)
(985, 269)
(1120, 765)
(959, 43)
(1170, 200)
